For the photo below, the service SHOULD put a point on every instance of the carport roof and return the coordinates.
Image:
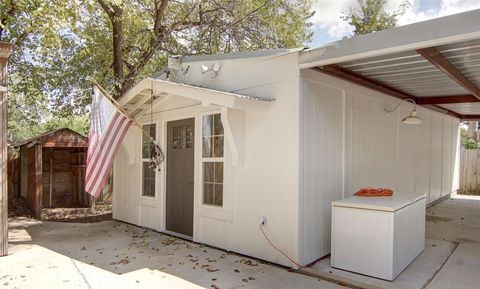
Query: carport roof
(435, 62)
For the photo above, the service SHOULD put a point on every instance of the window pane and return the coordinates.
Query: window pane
(213, 183)
(181, 142)
(218, 197)
(208, 194)
(208, 170)
(148, 180)
(217, 125)
(146, 144)
(183, 130)
(218, 172)
(218, 146)
(207, 125)
(152, 130)
(147, 172)
(207, 147)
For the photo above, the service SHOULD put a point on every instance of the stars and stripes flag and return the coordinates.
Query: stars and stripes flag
(108, 127)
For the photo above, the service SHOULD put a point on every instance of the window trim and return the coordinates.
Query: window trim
(143, 160)
(210, 160)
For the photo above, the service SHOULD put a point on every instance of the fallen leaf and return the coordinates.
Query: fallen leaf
(123, 261)
(212, 270)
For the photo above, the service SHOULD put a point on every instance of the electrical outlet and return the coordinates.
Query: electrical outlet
(262, 220)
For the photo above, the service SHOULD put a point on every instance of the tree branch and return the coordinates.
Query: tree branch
(115, 13)
(107, 8)
(10, 13)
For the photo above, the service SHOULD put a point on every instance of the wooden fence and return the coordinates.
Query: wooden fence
(470, 171)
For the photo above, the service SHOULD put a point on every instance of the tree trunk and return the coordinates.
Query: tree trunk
(117, 24)
(472, 129)
(115, 13)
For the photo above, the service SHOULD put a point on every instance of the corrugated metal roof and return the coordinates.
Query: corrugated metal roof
(434, 58)
(409, 72)
(238, 55)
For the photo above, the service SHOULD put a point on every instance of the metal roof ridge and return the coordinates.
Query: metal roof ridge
(189, 85)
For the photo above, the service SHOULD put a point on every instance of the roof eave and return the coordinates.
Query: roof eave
(459, 27)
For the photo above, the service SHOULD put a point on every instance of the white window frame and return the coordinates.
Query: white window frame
(143, 160)
(211, 160)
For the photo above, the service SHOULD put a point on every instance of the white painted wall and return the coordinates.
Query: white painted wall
(349, 142)
(265, 181)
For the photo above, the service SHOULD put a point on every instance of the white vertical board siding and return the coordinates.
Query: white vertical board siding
(447, 157)
(377, 150)
(322, 171)
(436, 148)
(371, 143)
(127, 179)
(422, 154)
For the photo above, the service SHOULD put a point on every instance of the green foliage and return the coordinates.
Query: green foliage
(18, 132)
(468, 142)
(371, 16)
(61, 43)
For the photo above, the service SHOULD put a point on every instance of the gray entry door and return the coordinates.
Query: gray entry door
(180, 173)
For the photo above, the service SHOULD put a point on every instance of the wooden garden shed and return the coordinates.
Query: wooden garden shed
(52, 170)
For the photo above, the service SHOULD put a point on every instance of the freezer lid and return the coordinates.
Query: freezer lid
(389, 204)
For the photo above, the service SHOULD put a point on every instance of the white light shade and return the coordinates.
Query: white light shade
(412, 118)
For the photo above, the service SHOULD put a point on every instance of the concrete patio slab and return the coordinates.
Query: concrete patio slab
(117, 255)
(458, 220)
(461, 271)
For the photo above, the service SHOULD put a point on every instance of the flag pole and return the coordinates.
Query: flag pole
(102, 90)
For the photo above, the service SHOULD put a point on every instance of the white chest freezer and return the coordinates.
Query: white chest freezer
(377, 236)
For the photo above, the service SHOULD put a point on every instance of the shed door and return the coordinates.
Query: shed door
(180, 171)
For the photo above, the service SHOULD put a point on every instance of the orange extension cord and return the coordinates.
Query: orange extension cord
(276, 248)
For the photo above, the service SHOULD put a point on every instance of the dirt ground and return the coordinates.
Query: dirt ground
(18, 208)
(101, 212)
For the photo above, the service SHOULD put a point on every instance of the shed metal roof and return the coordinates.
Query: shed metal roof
(435, 62)
(64, 137)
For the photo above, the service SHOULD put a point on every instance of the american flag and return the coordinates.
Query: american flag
(108, 126)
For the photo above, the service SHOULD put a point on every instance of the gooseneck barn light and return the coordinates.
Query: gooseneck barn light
(413, 118)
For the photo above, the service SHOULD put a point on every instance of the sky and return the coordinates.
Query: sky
(328, 26)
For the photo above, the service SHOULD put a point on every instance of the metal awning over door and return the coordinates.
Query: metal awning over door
(153, 95)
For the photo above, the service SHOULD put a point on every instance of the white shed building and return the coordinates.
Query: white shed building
(281, 134)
